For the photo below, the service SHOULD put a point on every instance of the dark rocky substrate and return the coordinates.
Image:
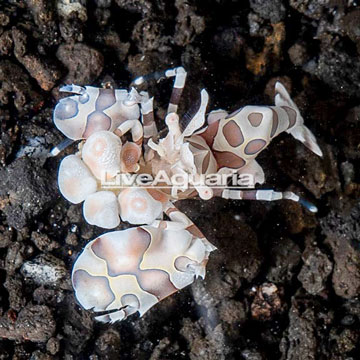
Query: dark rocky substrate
(284, 283)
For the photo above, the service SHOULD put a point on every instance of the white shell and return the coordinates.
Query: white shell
(75, 179)
(101, 153)
(138, 207)
(133, 269)
(102, 209)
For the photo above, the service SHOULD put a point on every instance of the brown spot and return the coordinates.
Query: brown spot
(157, 195)
(194, 230)
(255, 118)
(105, 99)
(130, 155)
(228, 159)
(233, 134)
(126, 261)
(205, 163)
(291, 114)
(249, 195)
(275, 123)
(156, 282)
(254, 146)
(209, 134)
(96, 121)
(176, 95)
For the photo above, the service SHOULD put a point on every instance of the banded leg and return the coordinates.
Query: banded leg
(180, 77)
(147, 118)
(60, 147)
(179, 84)
(266, 195)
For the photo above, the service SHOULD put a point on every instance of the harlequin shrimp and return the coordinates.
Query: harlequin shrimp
(123, 272)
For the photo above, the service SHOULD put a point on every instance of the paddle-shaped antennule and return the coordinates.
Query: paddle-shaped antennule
(138, 207)
(75, 179)
(102, 209)
(101, 153)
